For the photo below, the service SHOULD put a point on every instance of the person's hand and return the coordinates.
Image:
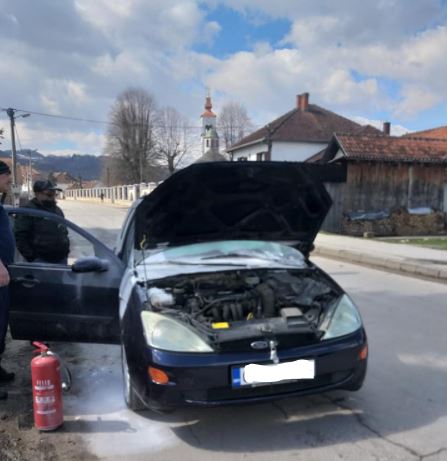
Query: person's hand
(4, 276)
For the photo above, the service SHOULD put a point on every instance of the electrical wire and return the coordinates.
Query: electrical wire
(64, 117)
(102, 122)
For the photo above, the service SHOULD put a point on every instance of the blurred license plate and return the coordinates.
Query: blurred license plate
(254, 374)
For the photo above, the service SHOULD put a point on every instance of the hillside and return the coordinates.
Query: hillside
(89, 167)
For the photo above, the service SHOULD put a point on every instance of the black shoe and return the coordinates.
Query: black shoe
(3, 395)
(5, 376)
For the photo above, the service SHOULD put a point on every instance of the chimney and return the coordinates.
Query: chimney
(302, 102)
(386, 128)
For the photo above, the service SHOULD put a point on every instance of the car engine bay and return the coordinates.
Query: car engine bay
(229, 306)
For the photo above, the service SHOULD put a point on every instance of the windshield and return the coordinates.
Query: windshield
(226, 250)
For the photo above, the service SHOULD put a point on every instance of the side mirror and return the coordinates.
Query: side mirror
(90, 264)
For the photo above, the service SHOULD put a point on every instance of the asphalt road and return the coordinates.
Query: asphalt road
(399, 414)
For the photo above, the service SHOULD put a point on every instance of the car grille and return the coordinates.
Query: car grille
(284, 341)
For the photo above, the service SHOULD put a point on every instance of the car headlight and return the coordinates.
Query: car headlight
(165, 333)
(343, 319)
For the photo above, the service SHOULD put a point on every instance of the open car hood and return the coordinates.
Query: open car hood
(275, 201)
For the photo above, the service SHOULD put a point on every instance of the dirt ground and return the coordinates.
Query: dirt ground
(19, 439)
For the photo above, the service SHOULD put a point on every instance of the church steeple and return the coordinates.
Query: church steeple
(210, 138)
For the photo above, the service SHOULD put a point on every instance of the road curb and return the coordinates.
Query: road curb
(390, 264)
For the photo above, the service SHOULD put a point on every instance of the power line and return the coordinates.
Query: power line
(102, 122)
(64, 117)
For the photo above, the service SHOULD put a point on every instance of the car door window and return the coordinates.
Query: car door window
(40, 239)
(47, 240)
(80, 247)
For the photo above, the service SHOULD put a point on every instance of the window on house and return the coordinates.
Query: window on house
(207, 143)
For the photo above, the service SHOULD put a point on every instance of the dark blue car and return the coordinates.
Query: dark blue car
(210, 291)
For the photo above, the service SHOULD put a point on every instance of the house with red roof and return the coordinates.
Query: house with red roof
(388, 178)
(296, 135)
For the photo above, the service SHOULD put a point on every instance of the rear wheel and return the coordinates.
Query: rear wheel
(130, 397)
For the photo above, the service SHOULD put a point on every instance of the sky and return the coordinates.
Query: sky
(371, 61)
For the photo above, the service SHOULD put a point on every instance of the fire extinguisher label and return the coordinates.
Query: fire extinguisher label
(46, 399)
(43, 385)
(46, 412)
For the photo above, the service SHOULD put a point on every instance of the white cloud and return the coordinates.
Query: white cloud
(415, 99)
(272, 79)
(341, 52)
(396, 130)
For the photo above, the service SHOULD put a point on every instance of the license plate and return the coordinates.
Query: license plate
(255, 374)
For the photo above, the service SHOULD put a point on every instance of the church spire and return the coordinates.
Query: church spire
(210, 138)
(208, 108)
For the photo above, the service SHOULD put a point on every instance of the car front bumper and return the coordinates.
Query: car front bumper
(205, 379)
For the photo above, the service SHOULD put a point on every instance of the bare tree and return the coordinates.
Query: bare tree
(233, 123)
(173, 142)
(131, 138)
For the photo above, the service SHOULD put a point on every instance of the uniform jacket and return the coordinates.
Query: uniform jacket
(41, 238)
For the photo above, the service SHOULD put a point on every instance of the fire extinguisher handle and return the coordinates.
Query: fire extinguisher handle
(41, 347)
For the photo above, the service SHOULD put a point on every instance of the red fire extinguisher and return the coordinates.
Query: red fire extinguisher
(47, 389)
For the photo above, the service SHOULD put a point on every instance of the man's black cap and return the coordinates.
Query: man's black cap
(4, 168)
(41, 185)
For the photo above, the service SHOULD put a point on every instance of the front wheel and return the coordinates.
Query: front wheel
(132, 400)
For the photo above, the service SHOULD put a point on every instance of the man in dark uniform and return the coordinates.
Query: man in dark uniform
(38, 239)
(7, 246)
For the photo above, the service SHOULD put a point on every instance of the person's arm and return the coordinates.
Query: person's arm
(23, 231)
(4, 275)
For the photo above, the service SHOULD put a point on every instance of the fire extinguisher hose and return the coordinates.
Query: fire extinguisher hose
(66, 377)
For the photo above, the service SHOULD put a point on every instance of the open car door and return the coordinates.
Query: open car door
(76, 300)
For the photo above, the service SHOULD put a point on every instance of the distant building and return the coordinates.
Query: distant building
(64, 180)
(296, 135)
(386, 175)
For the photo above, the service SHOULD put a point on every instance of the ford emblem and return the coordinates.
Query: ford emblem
(258, 345)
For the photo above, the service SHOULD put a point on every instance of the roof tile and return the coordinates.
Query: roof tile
(436, 133)
(313, 125)
(392, 148)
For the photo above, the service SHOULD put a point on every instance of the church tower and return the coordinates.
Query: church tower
(210, 138)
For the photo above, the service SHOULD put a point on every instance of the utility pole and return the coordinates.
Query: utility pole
(10, 113)
(15, 188)
(30, 175)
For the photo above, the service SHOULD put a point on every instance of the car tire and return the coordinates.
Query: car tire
(132, 400)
